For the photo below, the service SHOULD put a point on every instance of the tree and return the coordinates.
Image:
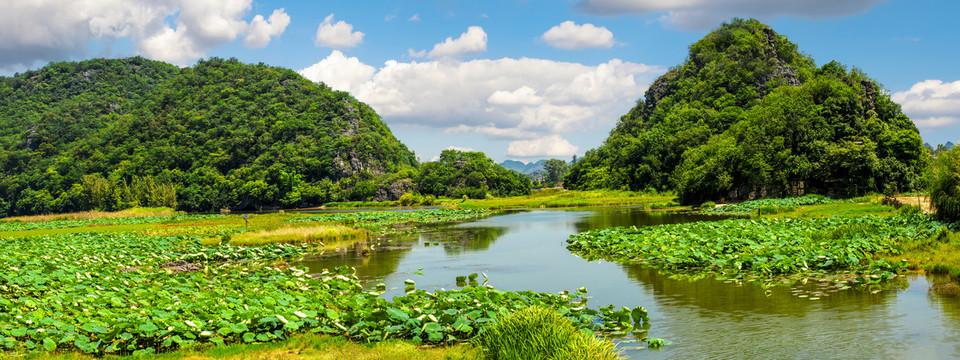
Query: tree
(556, 169)
(944, 185)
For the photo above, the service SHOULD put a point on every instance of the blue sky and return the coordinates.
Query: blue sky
(520, 80)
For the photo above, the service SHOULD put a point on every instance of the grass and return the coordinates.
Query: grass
(302, 346)
(540, 333)
(559, 198)
(937, 254)
(87, 215)
(298, 235)
(839, 209)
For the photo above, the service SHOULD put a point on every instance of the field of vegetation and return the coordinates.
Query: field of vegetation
(162, 288)
(560, 198)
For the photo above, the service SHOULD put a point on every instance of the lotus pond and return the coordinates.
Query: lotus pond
(159, 288)
(704, 317)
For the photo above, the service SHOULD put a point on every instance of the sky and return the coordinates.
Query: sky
(515, 79)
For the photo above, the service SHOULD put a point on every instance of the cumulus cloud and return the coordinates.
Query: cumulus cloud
(262, 30)
(492, 131)
(505, 99)
(552, 146)
(472, 42)
(931, 103)
(337, 35)
(415, 17)
(568, 35)
(339, 72)
(178, 31)
(708, 14)
(524, 95)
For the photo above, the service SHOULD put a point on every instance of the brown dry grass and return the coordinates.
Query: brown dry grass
(923, 201)
(298, 235)
(304, 346)
(95, 214)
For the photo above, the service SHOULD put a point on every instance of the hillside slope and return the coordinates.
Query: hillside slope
(110, 134)
(748, 115)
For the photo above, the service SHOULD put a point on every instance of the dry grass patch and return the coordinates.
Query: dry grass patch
(95, 214)
(298, 235)
(305, 346)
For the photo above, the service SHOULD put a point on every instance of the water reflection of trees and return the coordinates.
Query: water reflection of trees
(461, 240)
(377, 258)
(373, 258)
(635, 217)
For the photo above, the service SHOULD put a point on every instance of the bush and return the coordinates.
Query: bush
(407, 199)
(541, 333)
(944, 185)
(708, 205)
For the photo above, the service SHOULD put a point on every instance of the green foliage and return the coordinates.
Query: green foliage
(748, 114)
(111, 134)
(555, 169)
(772, 206)
(381, 220)
(763, 247)
(472, 175)
(944, 184)
(541, 333)
(128, 293)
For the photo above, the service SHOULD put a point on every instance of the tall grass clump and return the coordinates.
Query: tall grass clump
(944, 185)
(541, 333)
(298, 235)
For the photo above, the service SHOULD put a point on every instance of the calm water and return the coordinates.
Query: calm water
(705, 319)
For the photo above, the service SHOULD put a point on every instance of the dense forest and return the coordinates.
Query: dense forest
(748, 115)
(470, 174)
(112, 134)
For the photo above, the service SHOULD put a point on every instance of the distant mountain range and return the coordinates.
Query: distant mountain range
(522, 167)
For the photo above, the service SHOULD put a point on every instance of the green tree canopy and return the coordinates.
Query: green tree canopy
(748, 115)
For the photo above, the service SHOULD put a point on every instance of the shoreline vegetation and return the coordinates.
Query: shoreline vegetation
(890, 241)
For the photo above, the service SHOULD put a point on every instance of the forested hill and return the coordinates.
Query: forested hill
(108, 134)
(748, 115)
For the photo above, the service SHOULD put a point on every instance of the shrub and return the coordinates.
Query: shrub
(541, 333)
(708, 205)
(407, 199)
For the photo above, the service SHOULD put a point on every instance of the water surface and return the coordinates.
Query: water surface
(705, 318)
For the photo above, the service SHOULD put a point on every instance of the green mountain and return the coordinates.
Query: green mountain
(522, 167)
(109, 134)
(748, 115)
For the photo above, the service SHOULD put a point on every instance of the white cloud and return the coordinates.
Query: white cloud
(524, 95)
(934, 107)
(178, 31)
(936, 122)
(504, 99)
(416, 54)
(472, 42)
(415, 17)
(339, 72)
(552, 145)
(568, 35)
(457, 148)
(262, 30)
(337, 35)
(492, 131)
(930, 98)
(708, 14)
